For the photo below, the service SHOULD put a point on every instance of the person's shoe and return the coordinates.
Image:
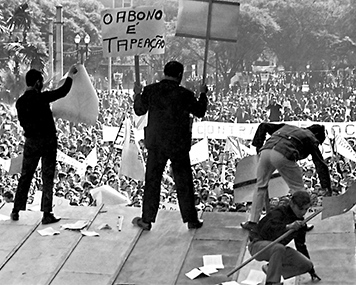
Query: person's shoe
(140, 223)
(248, 225)
(265, 268)
(195, 225)
(49, 218)
(308, 228)
(14, 216)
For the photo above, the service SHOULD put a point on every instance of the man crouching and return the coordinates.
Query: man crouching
(284, 260)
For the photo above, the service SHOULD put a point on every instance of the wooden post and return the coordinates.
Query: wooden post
(206, 53)
(59, 43)
(137, 69)
(50, 49)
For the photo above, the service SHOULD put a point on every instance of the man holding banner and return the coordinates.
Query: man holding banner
(168, 135)
(281, 151)
(35, 116)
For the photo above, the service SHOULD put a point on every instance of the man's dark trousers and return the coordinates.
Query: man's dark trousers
(34, 149)
(183, 178)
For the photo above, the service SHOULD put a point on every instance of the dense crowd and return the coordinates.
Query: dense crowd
(280, 99)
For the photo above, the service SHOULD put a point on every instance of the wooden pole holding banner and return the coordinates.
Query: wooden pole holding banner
(59, 43)
(110, 64)
(137, 69)
(272, 244)
(206, 53)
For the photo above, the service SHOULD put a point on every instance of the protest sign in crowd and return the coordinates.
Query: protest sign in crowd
(87, 160)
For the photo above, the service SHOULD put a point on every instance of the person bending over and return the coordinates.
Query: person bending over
(286, 145)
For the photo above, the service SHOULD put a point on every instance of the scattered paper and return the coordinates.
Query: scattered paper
(4, 218)
(194, 273)
(105, 227)
(229, 283)
(48, 232)
(89, 233)
(79, 225)
(213, 261)
(254, 277)
(120, 220)
(208, 270)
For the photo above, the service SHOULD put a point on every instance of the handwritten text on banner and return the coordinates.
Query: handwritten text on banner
(133, 31)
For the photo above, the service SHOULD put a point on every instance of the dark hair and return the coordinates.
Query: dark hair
(301, 198)
(318, 131)
(32, 76)
(173, 69)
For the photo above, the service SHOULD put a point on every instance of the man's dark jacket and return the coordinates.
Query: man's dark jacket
(295, 144)
(34, 110)
(169, 109)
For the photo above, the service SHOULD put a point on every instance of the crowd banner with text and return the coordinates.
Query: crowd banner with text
(133, 31)
(344, 148)
(246, 131)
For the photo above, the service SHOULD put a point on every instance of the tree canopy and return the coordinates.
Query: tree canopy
(295, 33)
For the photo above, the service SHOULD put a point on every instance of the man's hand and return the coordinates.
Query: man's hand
(295, 225)
(137, 88)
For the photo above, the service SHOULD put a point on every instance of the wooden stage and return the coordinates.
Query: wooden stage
(161, 256)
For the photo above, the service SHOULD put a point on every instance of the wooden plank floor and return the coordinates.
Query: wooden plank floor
(161, 256)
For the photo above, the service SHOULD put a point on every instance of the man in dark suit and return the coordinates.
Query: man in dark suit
(168, 135)
(35, 116)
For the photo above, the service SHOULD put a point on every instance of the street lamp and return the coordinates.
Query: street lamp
(82, 50)
(77, 41)
(86, 41)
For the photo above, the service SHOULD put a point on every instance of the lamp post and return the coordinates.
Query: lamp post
(82, 50)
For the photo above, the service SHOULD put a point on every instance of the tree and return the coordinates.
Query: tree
(306, 33)
(20, 19)
(255, 27)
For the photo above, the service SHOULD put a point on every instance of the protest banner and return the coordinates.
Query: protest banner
(222, 130)
(81, 104)
(199, 152)
(132, 164)
(133, 31)
(194, 14)
(209, 20)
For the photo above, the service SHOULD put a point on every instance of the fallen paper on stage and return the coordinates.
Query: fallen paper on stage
(213, 261)
(254, 277)
(48, 232)
(194, 273)
(79, 225)
(89, 233)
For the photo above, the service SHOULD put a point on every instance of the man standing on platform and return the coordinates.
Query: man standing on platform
(281, 151)
(35, 116)
(168, 135)
(283, 260)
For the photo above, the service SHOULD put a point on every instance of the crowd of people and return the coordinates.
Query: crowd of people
(281, 99)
